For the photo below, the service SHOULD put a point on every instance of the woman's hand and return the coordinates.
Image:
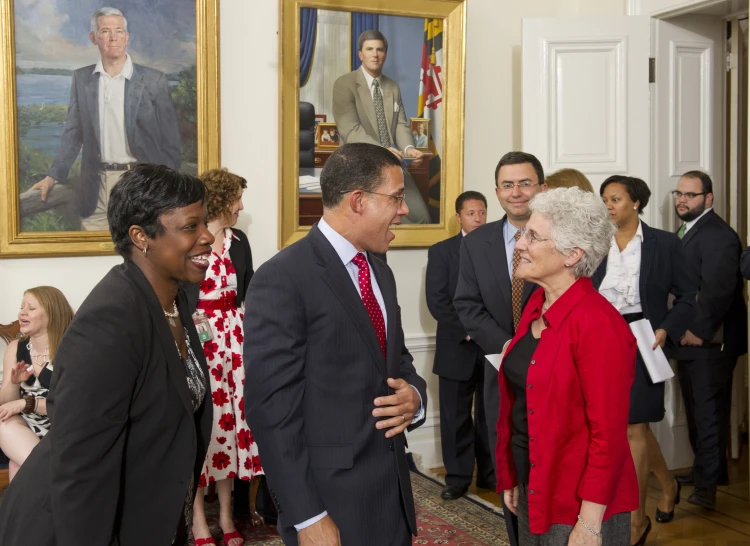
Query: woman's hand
(21, 372)
(661, 338)
(9, 409)
(510, 496)
(581, 537)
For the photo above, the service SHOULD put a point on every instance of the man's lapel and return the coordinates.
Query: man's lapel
(498, 261)
(133, 92)
(387, 102)
(91, 92)
(391, 308)
(340, 283)
(696, 227)
(366, 99)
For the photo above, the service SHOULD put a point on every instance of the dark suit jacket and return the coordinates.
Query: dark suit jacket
(150, 125)
(242, 260)
(313, 369)
(663, 271)
(745, 263)
(712, 251)
(454, 356)
(117, 462)
(483, 292)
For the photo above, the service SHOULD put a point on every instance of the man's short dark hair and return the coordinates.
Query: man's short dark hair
(707, 185)
(142, 195)
(356, 166)
(468, 196)
(517, 158)
(637, 189)
(371, 35)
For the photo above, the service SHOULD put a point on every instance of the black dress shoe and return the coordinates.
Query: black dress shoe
(685, 479)
(453, 492)
(703, 497)
(666, 517)
(642, 540)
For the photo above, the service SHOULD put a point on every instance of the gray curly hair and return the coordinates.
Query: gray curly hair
(579, 220)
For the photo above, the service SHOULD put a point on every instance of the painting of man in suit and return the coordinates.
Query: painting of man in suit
(367, 107)
(119, 113)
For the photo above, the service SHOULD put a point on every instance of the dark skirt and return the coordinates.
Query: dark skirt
(646, 397)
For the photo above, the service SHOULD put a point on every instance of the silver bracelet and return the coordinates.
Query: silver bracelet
(589, 529)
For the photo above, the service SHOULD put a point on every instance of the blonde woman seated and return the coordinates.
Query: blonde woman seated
(27, 372)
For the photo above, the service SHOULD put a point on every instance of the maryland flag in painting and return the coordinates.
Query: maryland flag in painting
(431, 103)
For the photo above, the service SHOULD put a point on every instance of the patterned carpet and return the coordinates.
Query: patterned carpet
(464, 522)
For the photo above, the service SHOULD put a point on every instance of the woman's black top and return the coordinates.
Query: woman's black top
(515, 368)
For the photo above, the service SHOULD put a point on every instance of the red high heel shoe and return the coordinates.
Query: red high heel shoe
(232, 535)
(205, 541)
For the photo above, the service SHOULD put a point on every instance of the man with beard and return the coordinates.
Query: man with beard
(716, 336)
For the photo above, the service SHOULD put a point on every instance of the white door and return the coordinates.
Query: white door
(586, 95)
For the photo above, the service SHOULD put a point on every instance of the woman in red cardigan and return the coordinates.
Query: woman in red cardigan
(563, 460)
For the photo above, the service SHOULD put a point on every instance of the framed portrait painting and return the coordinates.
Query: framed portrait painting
(91, 92)
(417, 110)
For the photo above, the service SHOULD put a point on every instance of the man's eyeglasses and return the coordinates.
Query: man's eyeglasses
(398, 199)
(508, 186)
(531, 236)
(687, 195)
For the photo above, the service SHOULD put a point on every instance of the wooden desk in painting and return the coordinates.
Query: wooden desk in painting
(310, 202)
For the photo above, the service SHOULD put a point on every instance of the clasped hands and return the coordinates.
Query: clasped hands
(411, 152)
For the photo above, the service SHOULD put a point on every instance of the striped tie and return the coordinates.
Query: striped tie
(377, 98)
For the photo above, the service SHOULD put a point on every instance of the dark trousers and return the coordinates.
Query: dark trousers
(462, 438)
(706, 386)
(492, 410)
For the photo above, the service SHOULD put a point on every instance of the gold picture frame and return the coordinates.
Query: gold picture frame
(15, 243)
(295, 217)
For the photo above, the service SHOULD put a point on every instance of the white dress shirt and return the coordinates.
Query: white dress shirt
(347, 252)
(370, 81)
(620, 285)
(113, 138)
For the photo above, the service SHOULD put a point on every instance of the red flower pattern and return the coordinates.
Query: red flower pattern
(232, 450)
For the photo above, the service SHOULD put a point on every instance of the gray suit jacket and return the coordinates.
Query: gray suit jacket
(150, 125)
(313, 370)
(354, 111)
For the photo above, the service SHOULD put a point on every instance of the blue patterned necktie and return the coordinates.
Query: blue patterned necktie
(377, 99)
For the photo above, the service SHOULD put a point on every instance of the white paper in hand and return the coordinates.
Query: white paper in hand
(656, 363)
(495, 360)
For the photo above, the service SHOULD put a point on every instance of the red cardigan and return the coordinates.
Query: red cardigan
(578, 397)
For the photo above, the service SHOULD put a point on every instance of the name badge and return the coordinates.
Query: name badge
(203, 326)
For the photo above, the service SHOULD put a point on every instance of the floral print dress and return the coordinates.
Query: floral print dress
(232, 450)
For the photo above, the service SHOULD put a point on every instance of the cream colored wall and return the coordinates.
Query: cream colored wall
(249, 101)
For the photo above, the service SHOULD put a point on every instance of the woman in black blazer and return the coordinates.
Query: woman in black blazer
(128, 404)
(644, 266)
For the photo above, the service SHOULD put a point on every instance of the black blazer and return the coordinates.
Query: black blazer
(313, 370)
(242, 259)
(454, 356)
(712, 251)
(483, 293)
(117, 462)
(663, 272)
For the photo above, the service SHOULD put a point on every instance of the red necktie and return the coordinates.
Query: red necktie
(368, 298)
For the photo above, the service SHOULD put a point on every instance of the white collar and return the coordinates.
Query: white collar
(369, 79)
(341, 244)
(127, 68)
(691, 223)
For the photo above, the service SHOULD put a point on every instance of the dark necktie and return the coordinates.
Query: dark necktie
(368, 298)
(377, 99)
(681, 231)
(516, 286)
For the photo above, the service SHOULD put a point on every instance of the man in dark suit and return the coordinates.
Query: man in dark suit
(120, 113)
(367, 107)
(459, 362)
(331, 387)
(485, 292)
(716, 335)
